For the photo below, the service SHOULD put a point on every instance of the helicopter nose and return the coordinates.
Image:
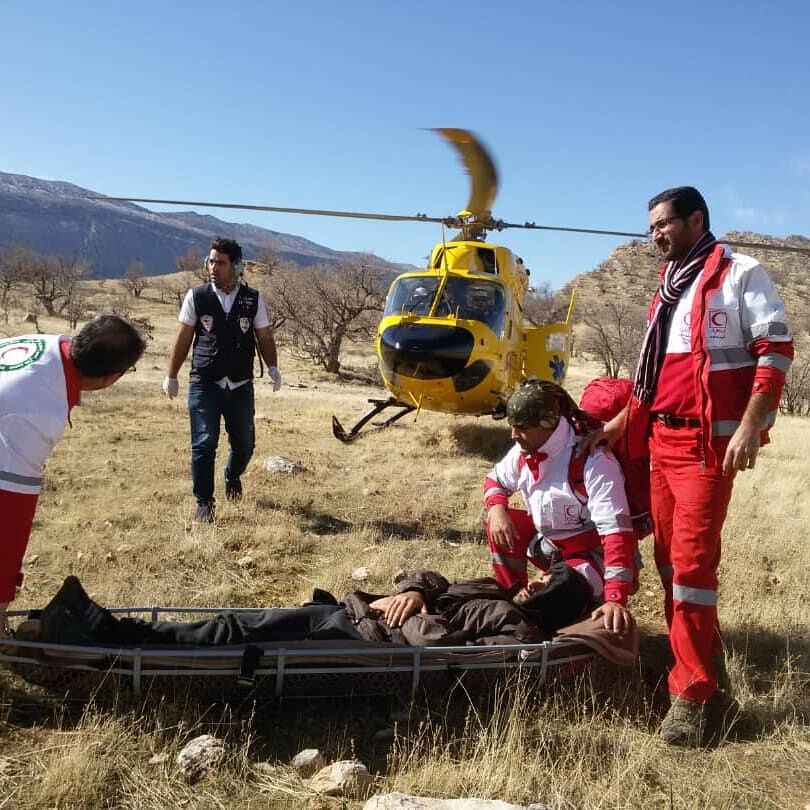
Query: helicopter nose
(425, 352)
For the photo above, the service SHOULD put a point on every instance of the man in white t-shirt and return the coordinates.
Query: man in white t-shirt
(226, 321)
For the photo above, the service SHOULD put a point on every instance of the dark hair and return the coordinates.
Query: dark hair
(106, 345)
(230, 247)
(566, 598)
(685, 200)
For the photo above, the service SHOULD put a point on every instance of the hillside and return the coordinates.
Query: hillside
(59, 218)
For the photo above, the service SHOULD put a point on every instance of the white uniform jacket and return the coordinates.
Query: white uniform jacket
(33, 408)
(557, 512)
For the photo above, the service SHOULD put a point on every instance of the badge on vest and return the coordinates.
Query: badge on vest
(717, 323)
(244, 324)
(207, 322)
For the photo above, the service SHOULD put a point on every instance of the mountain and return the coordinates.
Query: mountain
(59, 218)
(630, 274)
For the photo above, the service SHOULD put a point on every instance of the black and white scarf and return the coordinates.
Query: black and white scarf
(678, 276)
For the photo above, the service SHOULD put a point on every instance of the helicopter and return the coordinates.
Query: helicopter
(452, 337)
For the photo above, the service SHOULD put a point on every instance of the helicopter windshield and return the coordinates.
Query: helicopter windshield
(465, 298)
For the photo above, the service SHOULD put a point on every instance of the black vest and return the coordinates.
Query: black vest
(223, 345)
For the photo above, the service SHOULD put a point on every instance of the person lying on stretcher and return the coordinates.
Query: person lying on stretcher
(425, 609)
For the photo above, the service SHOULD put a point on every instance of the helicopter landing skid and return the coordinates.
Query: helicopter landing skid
(379, 405)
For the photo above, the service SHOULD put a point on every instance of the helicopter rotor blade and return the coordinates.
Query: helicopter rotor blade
(452, 222)
(501, 225)
(282, 210)
(479, 166)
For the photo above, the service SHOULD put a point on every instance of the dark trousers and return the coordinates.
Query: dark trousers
(324, 622)
(207, 405)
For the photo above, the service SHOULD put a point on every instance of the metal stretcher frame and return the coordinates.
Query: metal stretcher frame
(281, 661)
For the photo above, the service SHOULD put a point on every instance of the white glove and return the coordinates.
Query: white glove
(171, 387)
(275, 375)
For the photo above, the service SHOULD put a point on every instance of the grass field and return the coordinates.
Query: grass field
(116, 510)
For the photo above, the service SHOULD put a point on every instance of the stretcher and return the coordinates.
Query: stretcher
(290, 669)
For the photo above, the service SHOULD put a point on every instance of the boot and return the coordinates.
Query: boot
(72, 617)
(684, 724)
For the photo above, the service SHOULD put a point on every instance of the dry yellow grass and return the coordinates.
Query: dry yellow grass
(117, 510)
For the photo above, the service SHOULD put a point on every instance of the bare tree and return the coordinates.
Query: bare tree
(539, 306)
(135, 281)
(15, 262)
(121, 305)
(323, 306)
(266, 263)
(796, 392)
(54, 280)
(192, 262)
(173, 288)
(76, 306)
(615, 332)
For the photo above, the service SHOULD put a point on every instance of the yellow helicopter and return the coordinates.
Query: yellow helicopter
(452, 336)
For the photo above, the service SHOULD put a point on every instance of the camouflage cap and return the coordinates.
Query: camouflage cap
(534, 404)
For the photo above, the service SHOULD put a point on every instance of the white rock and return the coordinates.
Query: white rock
(347, 778)
(361, 574)
(201, 755)
(402, 801)
(279, 464)
(308, 761)
(245, 562)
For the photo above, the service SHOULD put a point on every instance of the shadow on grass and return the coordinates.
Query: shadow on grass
(489, 441)
(322, 523)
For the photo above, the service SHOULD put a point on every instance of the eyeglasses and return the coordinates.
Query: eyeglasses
(661, 224)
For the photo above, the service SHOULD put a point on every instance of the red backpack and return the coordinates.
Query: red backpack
(603, 398)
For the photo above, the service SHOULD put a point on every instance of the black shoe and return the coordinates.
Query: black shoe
(233, 489)
(72, 617)
(204, 513)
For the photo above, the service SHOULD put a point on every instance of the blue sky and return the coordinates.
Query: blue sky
(589, 108)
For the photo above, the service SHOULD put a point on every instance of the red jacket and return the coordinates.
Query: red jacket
(743, 346)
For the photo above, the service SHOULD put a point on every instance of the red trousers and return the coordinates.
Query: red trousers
(16, 518)
(510, 566)
(689, 505)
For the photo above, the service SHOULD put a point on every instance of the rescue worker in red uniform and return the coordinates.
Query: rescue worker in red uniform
(590, 533)
(707, 388)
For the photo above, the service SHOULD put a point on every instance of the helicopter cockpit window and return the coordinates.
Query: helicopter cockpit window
(466, 257)
(487, 257)
(480, 301)
(411, 295)
(461, 298)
